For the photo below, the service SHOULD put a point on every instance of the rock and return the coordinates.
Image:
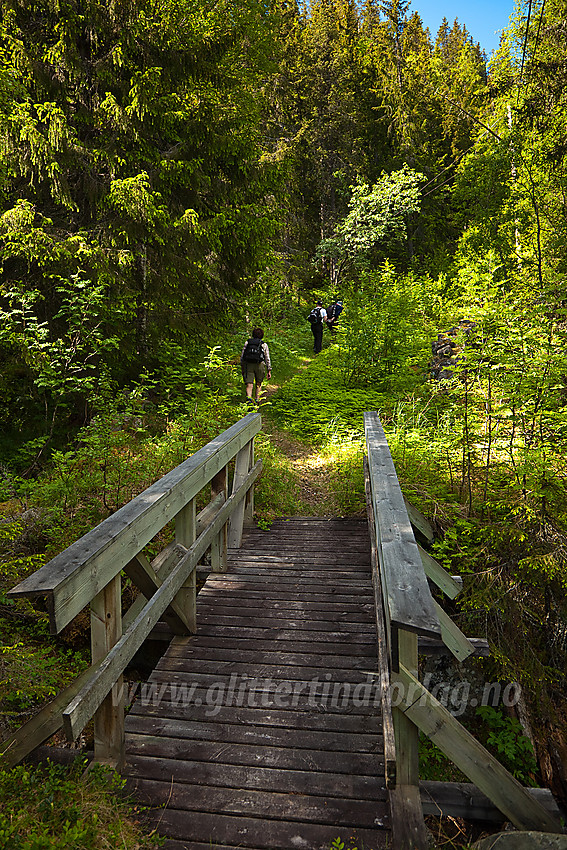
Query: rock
(522, 841)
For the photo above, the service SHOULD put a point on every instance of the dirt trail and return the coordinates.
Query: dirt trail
(309, 466)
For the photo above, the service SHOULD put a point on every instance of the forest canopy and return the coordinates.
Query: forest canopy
(167, 154)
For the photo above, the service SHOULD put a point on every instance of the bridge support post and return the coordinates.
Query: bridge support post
(407, 733)
(249, 502)
(219, 544)
(242, 467)
(106, 631)
(408, 826)
(185, 534)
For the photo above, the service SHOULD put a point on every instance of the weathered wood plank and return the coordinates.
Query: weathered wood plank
(419, 521)
(106, 630)
(74, 577)
(259, 833)
(171, 844)
(277, 553)
(464, 800)
(249, 501)
(332, 647)
(284, 634)
(266, 591)
(227, 653)
(408, 827)
(407, 739)
(258, 778)
(428, 646)
(207, 515)
(308, 606)
(382, 634)
(301, 806)
(78, 713)
(261, 694)
(308, 569)
(234, 695)
(219, 546)
(260, 599)
(297, 578)
(279, 613)
(404, 583)
(141, 740)
(453, 638)
(264, 666)
(439, 575)
(185, 600)
(236, 522)
(307, 550)
(140, 572)
(287, 535)
(259, 735)
(311, 720)
(303, 623)
(470, 756)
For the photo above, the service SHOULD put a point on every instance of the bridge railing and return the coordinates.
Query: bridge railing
(88, 573)
(407, 618)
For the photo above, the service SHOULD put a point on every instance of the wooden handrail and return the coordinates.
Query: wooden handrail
(73, 578)
(405, 609)
(408, 601)
(83, 706)
(88, 573)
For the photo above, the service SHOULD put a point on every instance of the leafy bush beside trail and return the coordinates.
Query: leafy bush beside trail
(63, 808)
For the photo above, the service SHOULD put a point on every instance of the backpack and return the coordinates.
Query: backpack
(338, 309)
(253, 352)
(331, 310)
(314, 317)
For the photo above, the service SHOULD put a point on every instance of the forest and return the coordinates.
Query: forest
(174, 174)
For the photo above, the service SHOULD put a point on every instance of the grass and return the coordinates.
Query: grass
(63, 808)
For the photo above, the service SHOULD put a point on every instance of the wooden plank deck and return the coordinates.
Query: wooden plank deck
(263, 731)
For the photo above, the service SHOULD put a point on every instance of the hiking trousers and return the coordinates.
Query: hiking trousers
(317, 337)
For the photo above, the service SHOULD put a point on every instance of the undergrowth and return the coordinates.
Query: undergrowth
(63, 808)
(317, 396)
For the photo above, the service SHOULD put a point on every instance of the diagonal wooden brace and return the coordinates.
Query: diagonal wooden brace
(140, 571)
(492, 778)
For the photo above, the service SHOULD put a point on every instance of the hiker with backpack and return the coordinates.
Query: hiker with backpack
(334, 310)
(316, 317)
(255, 363)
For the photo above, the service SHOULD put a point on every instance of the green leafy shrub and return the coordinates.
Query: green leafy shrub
(31, 674)
(337, 844)
(507, 741)
(60, 357)
(63, 808)
(383, 332)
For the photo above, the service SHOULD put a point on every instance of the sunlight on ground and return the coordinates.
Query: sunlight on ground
(314, 461)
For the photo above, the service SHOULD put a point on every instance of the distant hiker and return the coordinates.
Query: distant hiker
(255, 363)
(316, 317)
(334, 310)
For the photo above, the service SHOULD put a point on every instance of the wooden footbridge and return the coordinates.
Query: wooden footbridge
(286, 709)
